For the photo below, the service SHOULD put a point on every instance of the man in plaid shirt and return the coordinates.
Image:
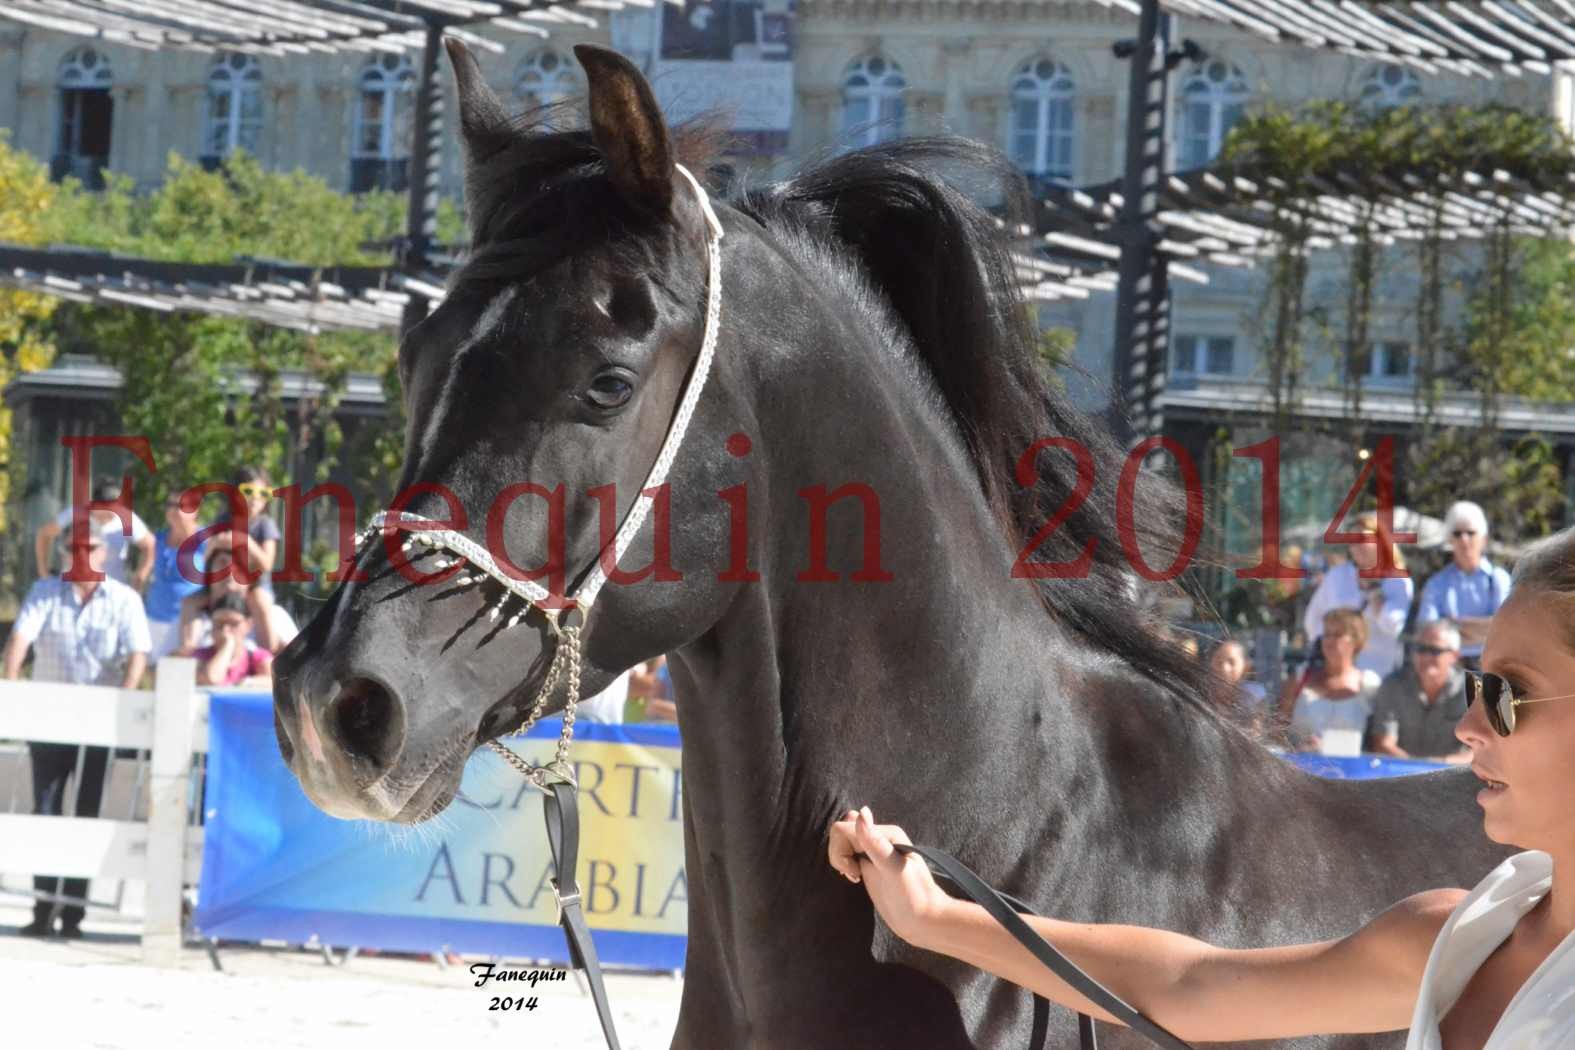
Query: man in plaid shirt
(87, 633)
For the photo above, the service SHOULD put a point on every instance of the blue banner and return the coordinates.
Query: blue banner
(474, 880)
(1362, 767)
(274, 867)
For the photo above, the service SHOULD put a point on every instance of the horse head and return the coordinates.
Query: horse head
(538, 395)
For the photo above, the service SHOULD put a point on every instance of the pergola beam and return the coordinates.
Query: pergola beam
(282, 26)
(1472, 37)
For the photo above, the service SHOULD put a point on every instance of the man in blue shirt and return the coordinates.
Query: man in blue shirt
(1470, 590)
(89, 633)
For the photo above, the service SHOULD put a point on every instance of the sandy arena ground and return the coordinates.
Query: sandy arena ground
(95, 994)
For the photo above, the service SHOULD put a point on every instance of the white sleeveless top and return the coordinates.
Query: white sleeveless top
(1541, 1016)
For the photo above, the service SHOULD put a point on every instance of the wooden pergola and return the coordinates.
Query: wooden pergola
(1154, 223)
(1225, 217)
(286, 294)
(1469, 37)
(1131, 236)
(284, 27)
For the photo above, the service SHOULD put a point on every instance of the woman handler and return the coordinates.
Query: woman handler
(1490, 968)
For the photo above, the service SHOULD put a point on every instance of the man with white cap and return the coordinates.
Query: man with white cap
(1470, 590)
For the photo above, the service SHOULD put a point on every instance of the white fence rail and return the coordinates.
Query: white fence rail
(165, 851)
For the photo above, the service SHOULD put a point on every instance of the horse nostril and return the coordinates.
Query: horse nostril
(368, 723)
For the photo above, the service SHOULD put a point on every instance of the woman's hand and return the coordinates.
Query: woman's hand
(899, 885)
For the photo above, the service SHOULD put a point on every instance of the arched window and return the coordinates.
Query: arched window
(1043, 117)
(1389, 85)
(545, 78)
(234, 119)
(1213, 98)
(380, 152)
(872, 104)
(87, 116)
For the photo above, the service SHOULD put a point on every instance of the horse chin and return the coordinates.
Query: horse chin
(399, 798)
(424, 805)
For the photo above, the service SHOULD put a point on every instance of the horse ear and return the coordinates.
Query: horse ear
(628, 127)
(483, 122)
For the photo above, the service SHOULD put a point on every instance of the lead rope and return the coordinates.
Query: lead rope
(1008, 911)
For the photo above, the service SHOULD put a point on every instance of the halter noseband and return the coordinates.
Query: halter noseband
(566, 653)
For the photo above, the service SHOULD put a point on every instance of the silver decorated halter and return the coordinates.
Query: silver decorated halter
(529, 593)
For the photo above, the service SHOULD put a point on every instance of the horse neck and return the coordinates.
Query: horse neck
(907, 692)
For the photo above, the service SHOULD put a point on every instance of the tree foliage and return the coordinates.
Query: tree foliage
(1518, 325)
(26, 196)
(1517, 483)
(205, 390)
(186, 375)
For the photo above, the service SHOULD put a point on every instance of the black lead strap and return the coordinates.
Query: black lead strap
(996, 904)
(563, 837)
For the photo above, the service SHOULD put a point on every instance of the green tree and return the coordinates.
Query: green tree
(206, 390)
(1520, 318)
(1518, 483)
(26, 195)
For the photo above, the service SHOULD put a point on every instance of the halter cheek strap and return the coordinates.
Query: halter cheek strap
(455, 548)
(556, 779)
(531, 593)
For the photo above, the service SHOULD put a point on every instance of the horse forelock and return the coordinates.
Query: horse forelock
(546, 186)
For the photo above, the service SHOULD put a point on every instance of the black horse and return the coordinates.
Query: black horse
(872, 336)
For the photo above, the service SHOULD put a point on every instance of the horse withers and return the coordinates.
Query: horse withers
(842, 617)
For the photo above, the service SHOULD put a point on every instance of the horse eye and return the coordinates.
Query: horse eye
(610, 391)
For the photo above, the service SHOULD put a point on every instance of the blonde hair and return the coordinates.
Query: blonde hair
(1368, 522)
(1547, 568)
(1346, 621)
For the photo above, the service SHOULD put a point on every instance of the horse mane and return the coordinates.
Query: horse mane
(942, 264)
(942, 267)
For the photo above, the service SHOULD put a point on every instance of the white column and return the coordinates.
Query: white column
(955, 108)
(174, 688)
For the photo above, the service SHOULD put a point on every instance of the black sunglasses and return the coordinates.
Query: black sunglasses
(1433, 650)
(1499, 699)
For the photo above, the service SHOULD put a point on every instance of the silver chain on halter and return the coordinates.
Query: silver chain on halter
(467, 552)
(566, 650)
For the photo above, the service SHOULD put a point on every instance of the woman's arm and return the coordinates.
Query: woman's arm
(1366, 982)
(216, 667)
(1390, 616)
(261, 553)
(186, 630)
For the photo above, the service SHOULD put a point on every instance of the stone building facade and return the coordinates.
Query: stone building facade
(1035, 78)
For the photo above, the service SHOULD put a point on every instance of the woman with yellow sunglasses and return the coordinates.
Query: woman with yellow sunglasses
(1488, 969)
(261, 540)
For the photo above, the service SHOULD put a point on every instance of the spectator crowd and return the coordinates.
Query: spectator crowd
(1386, 666)
(1385, 671)
(134, 605)
(194, 588)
